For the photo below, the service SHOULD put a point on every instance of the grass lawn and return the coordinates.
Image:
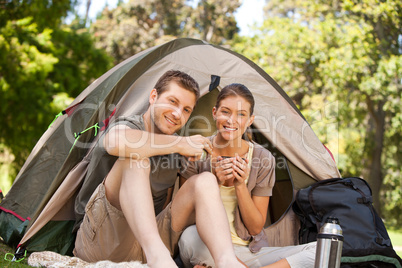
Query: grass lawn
(396, 239)
(4, 249)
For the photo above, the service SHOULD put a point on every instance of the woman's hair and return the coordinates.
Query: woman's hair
(240, 90)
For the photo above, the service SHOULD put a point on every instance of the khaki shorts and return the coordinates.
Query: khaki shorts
(105, 234)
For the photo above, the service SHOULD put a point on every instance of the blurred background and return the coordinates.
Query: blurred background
(340, 62)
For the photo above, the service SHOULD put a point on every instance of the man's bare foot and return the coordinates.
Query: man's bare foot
(161, 260)
(162, 263)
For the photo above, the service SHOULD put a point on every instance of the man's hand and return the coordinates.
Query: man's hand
(194, 147)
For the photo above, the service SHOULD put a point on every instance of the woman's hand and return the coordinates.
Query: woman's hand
(234, 169)
(241, 170)
(223, 169)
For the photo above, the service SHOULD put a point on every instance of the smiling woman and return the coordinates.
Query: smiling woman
(246, 176)
(233, 114)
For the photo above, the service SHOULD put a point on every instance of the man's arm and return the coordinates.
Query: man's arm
(137, 144)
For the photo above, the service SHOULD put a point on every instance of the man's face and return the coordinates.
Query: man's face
(171, 109)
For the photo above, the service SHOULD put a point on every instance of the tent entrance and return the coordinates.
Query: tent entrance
(201, 122)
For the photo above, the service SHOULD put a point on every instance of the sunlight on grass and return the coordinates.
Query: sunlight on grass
(4, 249)
(396, 239)
(5, 182)
(6, 158)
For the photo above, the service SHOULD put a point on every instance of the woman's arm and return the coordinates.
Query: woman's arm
(253, 209)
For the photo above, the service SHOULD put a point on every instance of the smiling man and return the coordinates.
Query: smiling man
(128, 217)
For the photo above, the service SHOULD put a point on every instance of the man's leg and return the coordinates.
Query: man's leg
(128, 188)
(199, 201)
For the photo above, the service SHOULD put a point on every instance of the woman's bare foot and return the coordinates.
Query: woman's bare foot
(230, 264)
(202, 266)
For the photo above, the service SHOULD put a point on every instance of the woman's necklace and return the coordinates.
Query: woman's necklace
(219, 150)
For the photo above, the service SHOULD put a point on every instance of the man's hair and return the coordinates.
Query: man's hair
(182, 79)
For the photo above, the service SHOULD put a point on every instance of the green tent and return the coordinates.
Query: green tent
(39, 210)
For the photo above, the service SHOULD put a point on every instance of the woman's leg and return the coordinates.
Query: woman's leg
(199, 201)
(192, 250)
(305, 257)
(300, 256)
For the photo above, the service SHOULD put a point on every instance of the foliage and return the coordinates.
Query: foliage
(24, 69)
(37, 64)
(340, 61)
(45, 13)
(349, 52)
(137, 25)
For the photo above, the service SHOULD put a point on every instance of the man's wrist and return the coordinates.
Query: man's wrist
(179, 146)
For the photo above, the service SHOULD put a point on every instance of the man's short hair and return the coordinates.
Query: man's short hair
(182, 79)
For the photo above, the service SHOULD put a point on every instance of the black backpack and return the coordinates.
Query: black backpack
(366, 240)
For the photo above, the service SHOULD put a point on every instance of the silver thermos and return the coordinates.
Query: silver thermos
(329, 245)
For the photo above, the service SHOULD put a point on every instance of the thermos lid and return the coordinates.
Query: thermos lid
(332, 227)
(332, 220)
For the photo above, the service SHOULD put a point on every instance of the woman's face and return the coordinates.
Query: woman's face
(232, 117)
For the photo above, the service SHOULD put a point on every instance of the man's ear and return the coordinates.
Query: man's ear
(153, 96)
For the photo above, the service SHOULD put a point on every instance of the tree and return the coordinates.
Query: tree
(137, 25)
(23, 69)
(348, 51)
(45, 13)
(41, 69)
(213, 21)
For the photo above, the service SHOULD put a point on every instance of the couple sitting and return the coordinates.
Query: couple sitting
(221, 205)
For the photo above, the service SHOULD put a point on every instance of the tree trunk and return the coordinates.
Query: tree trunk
(87, 11)
(373, 169)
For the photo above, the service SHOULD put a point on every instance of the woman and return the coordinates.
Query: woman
(246, 174)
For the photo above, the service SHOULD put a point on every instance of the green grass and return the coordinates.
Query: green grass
(6, 158)
(396, 239)
(4, 249)
(5, 180)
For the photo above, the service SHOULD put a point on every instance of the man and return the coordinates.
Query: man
(119, 222)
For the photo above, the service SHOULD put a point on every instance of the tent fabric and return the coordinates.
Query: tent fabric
(55, 169)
